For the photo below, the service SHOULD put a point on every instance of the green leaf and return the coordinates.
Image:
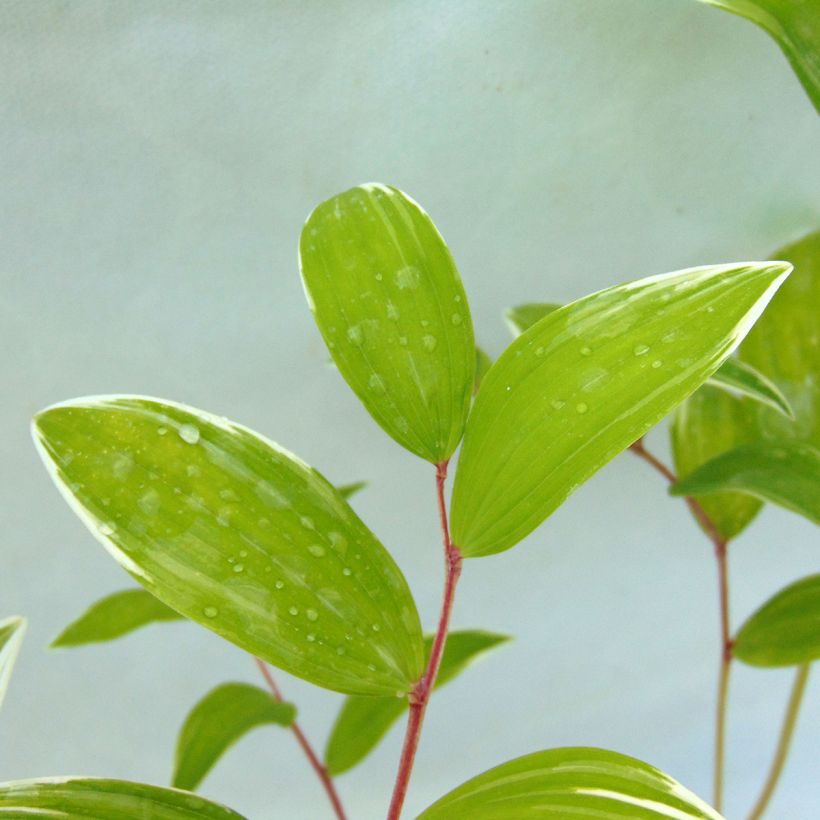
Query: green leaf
(219, 720)
(482, 364)
(785, 473)
(363, 721)
(742, 378)
(523, 317)
(114, 616)
(795, 26)
(82, 798)
(586, 381)
(785, 345)
(347, 491)
(783, 632)
(570, 782)
(389, 303)
(710, 422)
(11, 636)
(238, 535)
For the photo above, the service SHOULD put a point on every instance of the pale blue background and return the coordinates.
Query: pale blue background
(158, 159)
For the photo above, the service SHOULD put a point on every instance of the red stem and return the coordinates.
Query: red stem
(317, 764)
(420, 695)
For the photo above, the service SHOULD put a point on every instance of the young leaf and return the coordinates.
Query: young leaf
(219, 720)
(114, 616)
(82, 798)
(795, 26)
(523, 317)
(585, 382)
(708, 423)
(389, 303)
(11, 636)
(783, 632)
(742, 378)
(785, 473)
(785, 345)
(364, 721)
(571, 782)
(482, 364)
(238, 535)
(347, 491)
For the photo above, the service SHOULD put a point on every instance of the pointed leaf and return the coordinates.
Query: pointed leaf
(482, 364)
(523, 317)
(347, 491)
(585, 382)
(219, 720)
(795, 26)
(389, 303)
(82, 798)
(114, 616)
(11, 636)
(742, 378)
(572, 782)
(784, 631)
(785, 345)
(708, 423)
(364, 721)
(238, 535)
(784, 473)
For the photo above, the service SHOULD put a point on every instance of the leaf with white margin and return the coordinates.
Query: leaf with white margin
(585, 382)
(11, 636)
(84, 798)
(238, 535)
(740, 377)
(571, 782)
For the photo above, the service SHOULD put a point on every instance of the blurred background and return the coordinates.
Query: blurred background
(158, 160)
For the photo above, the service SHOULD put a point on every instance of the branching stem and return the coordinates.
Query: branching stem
(315, 762)
(420, 695)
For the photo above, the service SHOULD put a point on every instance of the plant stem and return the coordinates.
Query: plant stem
(720, 545)
(317, 764)
(420, 695)
(783, 743)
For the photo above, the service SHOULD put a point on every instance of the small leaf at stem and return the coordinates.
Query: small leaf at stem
(783, 632)
(785, 473)
(83, 798)
(708, 423)
(114, 616)
(572, 782)
(795, 27)
(586, 381)
(523, 317)
(219, 720)
(742, 378)
(390, 305)
(12, 631)
(238, 535)
(363, 721)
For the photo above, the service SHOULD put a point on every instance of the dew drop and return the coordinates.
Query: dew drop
(354, 335)
(456, 319)
(239, 568)
(149, 502)
(264, 522)
(657, 363)
(392, 312)
(243, 553)
(306, 522)
(376, 384)
(371, 667)
(189, 434)
(311, 614)
(162, 431)
(586, 351)
(407, 278)
(316, 550)
(340, 650)
(347, 571)
(429, 342)
(375, 627)
(228, 495)
(457, 298)
(379, 277)
(311, 637)
(105, 529)
(557, 404)
(280, 584)
(192, 470)
(402, 424)
(293, 610)
(640, 350)
(539, 352)
(210, 612)
(403, 341)
(582, 407)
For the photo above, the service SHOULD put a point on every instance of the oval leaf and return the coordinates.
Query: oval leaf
(584, 383)
(218, 721)
(787, 474)
(785, 345)
(795, 26)
(364, 721)
(783, 632)
(571, 782)
(389, 303)
(11, 637)
(114, 616)
(238, 535)
(81, 798)
(523, 317)
(708, 423)
(742, 378)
